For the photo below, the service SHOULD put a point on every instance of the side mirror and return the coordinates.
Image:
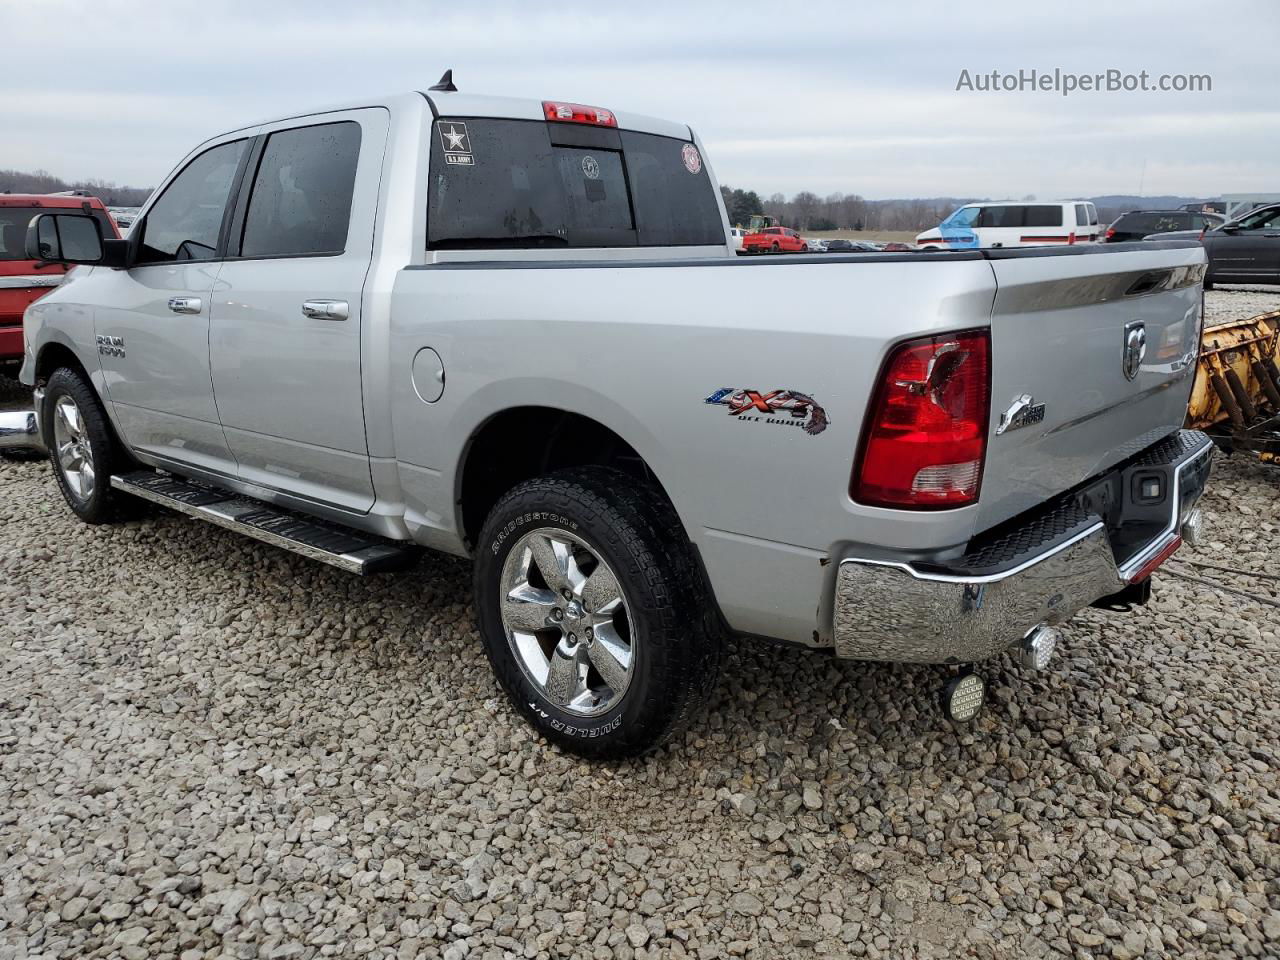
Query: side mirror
(64, 238)
(1230, 226)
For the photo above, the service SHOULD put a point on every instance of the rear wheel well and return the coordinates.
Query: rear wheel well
(527, 442)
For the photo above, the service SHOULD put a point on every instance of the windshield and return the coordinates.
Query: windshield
(13, 227)
(521, 184)
(963, 217)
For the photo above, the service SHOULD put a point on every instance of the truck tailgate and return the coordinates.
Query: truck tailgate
(1066, 330)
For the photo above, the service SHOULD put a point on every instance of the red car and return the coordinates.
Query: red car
(23, 280)
(774, 240)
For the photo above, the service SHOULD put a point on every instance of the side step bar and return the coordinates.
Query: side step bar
(336, 546)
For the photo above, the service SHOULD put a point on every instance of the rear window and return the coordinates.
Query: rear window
(13, 227)
(520, 184)
(1148, 223)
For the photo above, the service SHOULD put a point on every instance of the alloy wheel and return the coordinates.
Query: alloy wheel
(73, 449)
(566, 621)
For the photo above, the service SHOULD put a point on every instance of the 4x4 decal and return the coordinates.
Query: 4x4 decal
(786, 407)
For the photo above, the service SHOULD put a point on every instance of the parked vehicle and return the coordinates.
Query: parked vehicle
(331, 332)
(1140, 224)
(897, 246)
(123, 216)
(774, 240)
(735, 238)
(24, 278)
(840, 245)
(815, 244)
(1240, 251)
(1014, 223)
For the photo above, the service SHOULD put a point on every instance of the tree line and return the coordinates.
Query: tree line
(838, 211)
(41, 181)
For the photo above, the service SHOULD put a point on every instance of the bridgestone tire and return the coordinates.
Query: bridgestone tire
(104, 504)
(676, 639)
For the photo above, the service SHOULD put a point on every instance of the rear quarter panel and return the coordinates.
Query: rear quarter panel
(640, 348)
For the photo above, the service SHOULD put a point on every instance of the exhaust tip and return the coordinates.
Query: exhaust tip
(1035, 650)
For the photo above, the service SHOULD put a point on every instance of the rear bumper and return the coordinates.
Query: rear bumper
(20, 429)
(1043, 570)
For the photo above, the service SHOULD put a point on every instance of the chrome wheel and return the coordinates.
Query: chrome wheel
(566, 621)
(72, 448)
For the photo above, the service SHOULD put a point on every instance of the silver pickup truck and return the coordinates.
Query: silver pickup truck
(516, 330)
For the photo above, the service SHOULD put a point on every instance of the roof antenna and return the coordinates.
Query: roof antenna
(445, 84)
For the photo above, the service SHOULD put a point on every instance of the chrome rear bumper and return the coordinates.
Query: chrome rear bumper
(20, 430)
(1042, 573)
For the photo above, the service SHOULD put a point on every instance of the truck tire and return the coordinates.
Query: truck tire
(594, 612)
(83, 448)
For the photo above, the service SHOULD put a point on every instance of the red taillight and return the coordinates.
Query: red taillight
(577, 113)
(926, 438)
(1111, 232)
(1071, 238)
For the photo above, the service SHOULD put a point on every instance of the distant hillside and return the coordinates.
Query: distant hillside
(41, 181)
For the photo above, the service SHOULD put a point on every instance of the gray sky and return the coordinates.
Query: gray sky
(854, 97)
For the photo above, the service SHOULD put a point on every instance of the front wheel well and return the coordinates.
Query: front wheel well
(55, 355)
(527, 442)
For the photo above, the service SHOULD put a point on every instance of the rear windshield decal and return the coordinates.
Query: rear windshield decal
(692, 159)
(456, 143)
(590, 168)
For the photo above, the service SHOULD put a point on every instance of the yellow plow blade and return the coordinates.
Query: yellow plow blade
(1238, 375)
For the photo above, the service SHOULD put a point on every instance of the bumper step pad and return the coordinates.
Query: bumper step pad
(337, 546)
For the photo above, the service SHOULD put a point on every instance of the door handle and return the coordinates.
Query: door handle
(184, 304)
(326, 309)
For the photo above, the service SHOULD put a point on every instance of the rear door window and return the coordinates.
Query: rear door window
(1082, 215)
(514, 184)
(301, 200)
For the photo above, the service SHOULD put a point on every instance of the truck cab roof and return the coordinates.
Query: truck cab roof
(455, 104)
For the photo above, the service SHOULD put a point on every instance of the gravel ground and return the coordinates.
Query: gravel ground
(209, 747)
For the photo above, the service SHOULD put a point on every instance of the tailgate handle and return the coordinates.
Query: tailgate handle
(1149, 282)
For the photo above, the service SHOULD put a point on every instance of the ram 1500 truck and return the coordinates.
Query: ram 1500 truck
(516, 330)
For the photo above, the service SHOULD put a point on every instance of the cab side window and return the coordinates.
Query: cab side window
(184, 223)
(301, 200)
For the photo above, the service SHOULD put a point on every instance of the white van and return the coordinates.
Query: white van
(1014, 223)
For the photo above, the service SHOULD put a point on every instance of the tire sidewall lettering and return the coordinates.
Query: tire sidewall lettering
(530, 517)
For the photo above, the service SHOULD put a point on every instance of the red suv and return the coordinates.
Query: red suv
(23, 280)
(774, 240)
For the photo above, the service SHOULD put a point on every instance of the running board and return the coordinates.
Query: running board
(336, 546)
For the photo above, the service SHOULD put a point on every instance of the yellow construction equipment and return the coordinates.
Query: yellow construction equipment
(1236, 396)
